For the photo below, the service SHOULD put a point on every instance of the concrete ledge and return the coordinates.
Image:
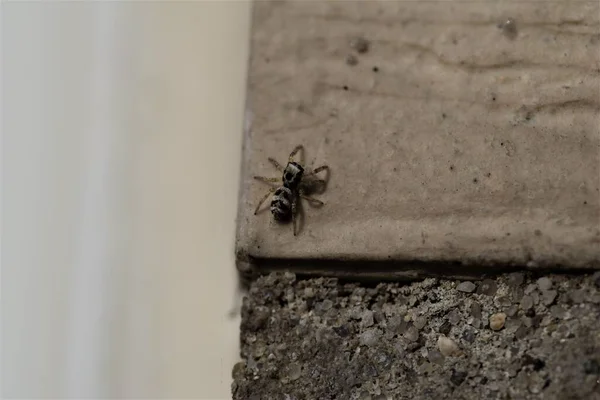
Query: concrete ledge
(453, 137)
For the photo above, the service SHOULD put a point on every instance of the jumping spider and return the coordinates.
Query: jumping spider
(297, 183)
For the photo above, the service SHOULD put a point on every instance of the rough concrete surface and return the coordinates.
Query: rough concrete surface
(515, 336)
(456, 132)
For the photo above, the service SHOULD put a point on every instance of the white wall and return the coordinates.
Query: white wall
(120, 157)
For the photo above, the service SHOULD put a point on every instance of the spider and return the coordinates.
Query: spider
(297, 183)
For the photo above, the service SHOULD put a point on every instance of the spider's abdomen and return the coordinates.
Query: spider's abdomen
(281, 205)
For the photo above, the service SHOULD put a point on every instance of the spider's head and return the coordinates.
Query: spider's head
(292, 175)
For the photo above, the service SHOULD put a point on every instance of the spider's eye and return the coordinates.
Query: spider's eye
(288, 176)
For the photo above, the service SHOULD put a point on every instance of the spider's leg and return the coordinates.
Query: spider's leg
(265, 197)
(294, 217)
(319, 169)
(267, 180)
(318, 185)
(296, 150)
(313, 202)
(276, 164)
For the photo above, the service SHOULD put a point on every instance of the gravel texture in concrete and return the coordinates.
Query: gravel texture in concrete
(515, 336)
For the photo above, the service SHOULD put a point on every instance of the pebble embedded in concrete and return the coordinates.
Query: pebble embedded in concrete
(544, 283)
(412, 334)
(447, 346)
(526, 302)
(548, 297)
(367, 319)
(487, 287)
(466, 287)
(497, 321)
(454, 317)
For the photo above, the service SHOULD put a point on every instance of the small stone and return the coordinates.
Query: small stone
(516, 294)
(294, 372)
(497, 321)
(530, 288)
(414, 346)
(511, 325)
(370, 337)
(557, 311)
(504, 301)
(397, 325)
(420, 322)
(577, 296)
(512, 370)
(238, 370)
(516, 279)
(447, 346)
(360, 44)
(535, 297)
(458, 377)
(413, 301)
(433, 297)
(476, 310)
(512, 310)
(544, 283)
(367, 319)
(435, 357)
(380, 397)
(445, 328)
(466, 287)
(528, 322)
(454, 317)
(412, 334)
(259, 349)
(548, 297)
(468, 335)
(488, 287)
(289, 277)
(526, 302)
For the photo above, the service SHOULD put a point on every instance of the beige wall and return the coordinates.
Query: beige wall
(121, 137)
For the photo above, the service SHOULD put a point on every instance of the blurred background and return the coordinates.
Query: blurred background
(121, 152)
